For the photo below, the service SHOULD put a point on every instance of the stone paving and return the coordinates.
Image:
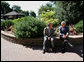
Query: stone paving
(16, 52)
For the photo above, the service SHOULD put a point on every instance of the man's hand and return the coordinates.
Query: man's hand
(54, 28)
(64, 36)
(48, 38)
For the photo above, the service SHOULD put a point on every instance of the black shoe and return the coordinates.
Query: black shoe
(63, 51)
(43, 51)
(53, 49)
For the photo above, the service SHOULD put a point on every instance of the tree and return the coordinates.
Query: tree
(16, 8)
(26, 13)
(48, 17)
(5, 7)
(47, 14)
(33, 14)
(69, 11)
(46, 7)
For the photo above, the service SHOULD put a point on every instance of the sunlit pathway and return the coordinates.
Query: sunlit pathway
(15, 52)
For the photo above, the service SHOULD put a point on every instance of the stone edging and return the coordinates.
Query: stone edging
(39, 41)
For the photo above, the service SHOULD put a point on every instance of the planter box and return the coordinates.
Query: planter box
(39, 41)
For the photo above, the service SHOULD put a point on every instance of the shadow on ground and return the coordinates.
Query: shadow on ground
(78, 49)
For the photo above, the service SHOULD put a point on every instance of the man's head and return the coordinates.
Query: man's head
(63, 23)
(50, 25)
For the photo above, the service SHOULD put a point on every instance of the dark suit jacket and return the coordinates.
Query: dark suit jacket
(64, 31)
(46, 32)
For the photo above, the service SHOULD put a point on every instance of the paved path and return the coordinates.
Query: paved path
(15, 52)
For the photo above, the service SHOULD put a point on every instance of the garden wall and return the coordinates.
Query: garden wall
(38, 41)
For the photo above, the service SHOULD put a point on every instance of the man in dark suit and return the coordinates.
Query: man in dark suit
(48, 35)
(63, 34)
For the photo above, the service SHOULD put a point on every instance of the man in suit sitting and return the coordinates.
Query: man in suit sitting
(48, 35)
(63, 34)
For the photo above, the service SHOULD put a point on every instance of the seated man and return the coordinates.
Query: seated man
(48, 35)
(64, 33)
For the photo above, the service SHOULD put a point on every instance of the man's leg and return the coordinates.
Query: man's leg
(52, 43)
(73, 49)
(64, 44)
(44, 42)
(67, 43)
(70, 44)
(66, 40)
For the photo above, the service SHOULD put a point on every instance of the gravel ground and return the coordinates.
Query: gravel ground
(16, 52)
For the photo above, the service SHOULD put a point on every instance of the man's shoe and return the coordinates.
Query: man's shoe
(53, 49)
(63, 51)
(43, 51)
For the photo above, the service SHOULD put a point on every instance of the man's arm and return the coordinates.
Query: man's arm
(67, 34)
(60, 34)
(45, 33)
(53, 32)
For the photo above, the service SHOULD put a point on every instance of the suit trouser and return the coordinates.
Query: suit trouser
(66, 42)
(46, 39)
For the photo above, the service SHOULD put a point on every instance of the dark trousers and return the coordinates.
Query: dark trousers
(46, 39)
(66, 42)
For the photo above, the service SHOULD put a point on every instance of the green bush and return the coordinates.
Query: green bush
(79, 26)
(15, 21)
(29, 27)
(6, 23)
(2, 25)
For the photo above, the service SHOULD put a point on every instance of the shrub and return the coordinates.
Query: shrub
(79, 26)
(29, 27)
(16, 20)
(2, 25)
(6, 23)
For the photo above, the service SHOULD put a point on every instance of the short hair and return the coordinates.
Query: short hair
(49, 24)
(63, 22)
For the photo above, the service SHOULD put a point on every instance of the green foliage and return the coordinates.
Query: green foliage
(47, 14)
(6, 23)
(2, 25)
(79, 26)
(15, 21)
(45, 8)
(26, 13)
(69, 11)
(49, 17)
(16, 8)
(29, 27)
(5, 7)
(33, 14)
